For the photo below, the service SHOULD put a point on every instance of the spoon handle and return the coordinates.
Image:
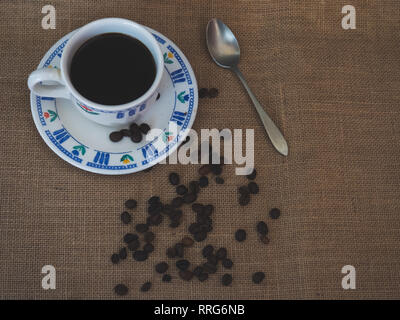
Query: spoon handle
(273, 132)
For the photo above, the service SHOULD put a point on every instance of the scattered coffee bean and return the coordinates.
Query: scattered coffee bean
(258, 277)
(115, 258)
(155, 220)
(126, 217)
(209, 268)
(158, 96)
(264, 239)
(166, 278)
(200, 236)
(205, 169)
(212, 259)
(253, 187)
(240, 235)
(181, 190)
(197, 207)
(187, 241)
(179, 249)
(131, 204)
(194, 187)
(134, 245)
(216, 169)
(142, 227)
(161, 267)
(122, 254)
(207, 250)
(129, 237)
(219, 180)
(167, 209)
(227, 263)
(121, 289)
(194, 228)
(208, 209)
(221, 253)
(226, 279)
(144, 128)
(146, 286)
(177, 202)
(202, 277)
(262, 228)
(198, 271)
(148, 247)
(213, 92)
(186, 275)
(136, 136)
(126, 132)
(174, 178)
(171, 253)
(244, 190)
(154, 200)
(149, 236)
(244, 199)
(189, 198)
(182, 264)
(140, 255)
(203, 92)
(274, 213)
(174, 224)
(154, 208)
(134, 127)
(203, 182)
(116, 136)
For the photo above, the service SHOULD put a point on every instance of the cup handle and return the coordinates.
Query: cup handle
(58, 90)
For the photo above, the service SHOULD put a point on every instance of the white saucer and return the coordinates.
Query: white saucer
(86, 144)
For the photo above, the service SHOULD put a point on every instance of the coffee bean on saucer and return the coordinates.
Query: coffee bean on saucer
(213, 92)
(182, 264)
(121, 289)
(240, 235)
(181, 190)
(200, 236)
(244, 190)
(226, 279)
(216, 169)
(227, 263)
(252, 175)
(209, 268)
(177, 202)
(258, 277)
(207, 250)
(203, 92)
(149, 236)
(203, 182)
(274, 213)
(202, 277)
(219, 180)
(115, 258)
(204, 169)
(131, 204)
(174, 178)
(148, 247)
(187, 241)
(116, 136)
(136, 136)
(171, 253)
(186, 275)
(264, 239)
(122, 254)
(253, 187)
(145, 287)
(161, 267)
(158, 96)
(134, 128)
(221, 253)
(126, 132)
(142, 227)
(126, 217)
(198, 271)
(134, 245)
(189, 198)
(166, 278)
(144, 128)
(179, 249)
(262, 228)
(244, 199)
(194, 187)
(129, 237)
(140, 255)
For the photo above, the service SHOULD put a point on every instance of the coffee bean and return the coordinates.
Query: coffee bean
(240, 235)
(167, 209)
(194, 228)
(202, 277)
(189, 198)
(146, 286)
(136, 136)
(264, 239)
(227, 263)
(253, 187)
(208, 209)
(203, 182)
(274, 213)
(200, 236)
(213, 92)
(209, 268)
(134, 245)
(198, 271)
(126, 217)
(126, 132)
(179, 249)
(131, 204)
(197, 207)
(115, 258)
(186, 275)
(149, 236)
(182, 264)
(207, 250)
(121, 289)
(155, 220)
(144, 128)
(161, 267)
(148, 247)
(129, 237)
(133, 127)
(174, 178)
(205, 169)
(158, 96)
(203, 92)
(142, 227)
(166, 278)
(116, 136)
(174, 224)
(177, 202)
(154, 208)
(258, 277)
(216, 169)
(244, 199)
(226, 279)
(244, 190)
(154, 200)
(262, 228)
(181, 190)
(140, 255)
(187, 241)
(122, 254)
(176, 215)
(212, 259)
(171, 253)
(252, 175)
(219, 180)
(221, 253)
(194, 187)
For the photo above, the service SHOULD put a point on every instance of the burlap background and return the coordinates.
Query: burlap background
(334, 93)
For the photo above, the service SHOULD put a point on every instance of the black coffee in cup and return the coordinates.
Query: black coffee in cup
(112, 69)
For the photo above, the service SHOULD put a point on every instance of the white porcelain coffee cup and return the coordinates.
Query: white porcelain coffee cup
(58, 83)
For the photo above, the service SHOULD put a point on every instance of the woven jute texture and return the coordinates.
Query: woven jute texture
(334, 93)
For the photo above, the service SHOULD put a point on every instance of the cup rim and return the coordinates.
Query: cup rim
(158, 61)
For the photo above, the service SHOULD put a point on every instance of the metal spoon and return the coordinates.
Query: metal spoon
(225, 51)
